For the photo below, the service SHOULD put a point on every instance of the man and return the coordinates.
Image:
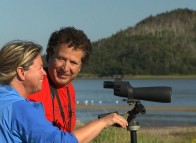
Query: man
(23, 121)
(67, 51)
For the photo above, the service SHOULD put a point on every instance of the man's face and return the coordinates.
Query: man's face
(34, 76)
(64, 65)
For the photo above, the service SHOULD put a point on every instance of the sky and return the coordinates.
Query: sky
(35, 20)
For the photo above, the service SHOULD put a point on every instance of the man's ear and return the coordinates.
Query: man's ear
(20, 73)
(50, 59)
(80, 68)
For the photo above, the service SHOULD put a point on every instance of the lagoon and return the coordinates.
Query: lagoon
(180, 112)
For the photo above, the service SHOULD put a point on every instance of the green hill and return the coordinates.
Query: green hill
(158, 45)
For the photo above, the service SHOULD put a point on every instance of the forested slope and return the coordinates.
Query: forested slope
(158, 45)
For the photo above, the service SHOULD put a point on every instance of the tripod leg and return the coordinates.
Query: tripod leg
(133, 137)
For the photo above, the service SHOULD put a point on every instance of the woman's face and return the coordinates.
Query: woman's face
(34, 76)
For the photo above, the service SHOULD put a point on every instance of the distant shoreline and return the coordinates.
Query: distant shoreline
(177, 76)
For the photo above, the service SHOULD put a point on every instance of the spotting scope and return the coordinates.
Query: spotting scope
(124, 89)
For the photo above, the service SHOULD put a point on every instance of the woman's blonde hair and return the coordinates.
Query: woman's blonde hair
(15, 54)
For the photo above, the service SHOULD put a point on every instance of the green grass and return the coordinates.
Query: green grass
(148, 135)
(118, 135)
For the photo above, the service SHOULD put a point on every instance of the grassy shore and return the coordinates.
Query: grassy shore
(154, 108)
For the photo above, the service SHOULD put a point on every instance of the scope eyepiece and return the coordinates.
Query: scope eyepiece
(108, 84)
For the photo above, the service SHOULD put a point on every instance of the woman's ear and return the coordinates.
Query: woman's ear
(20, 73)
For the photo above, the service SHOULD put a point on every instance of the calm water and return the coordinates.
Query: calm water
(91, 91)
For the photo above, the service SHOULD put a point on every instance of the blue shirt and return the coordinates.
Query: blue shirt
(23, 121)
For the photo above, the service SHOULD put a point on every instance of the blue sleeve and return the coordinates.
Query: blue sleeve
(30, 124)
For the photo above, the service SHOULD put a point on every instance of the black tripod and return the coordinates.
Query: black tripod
(133, 125)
